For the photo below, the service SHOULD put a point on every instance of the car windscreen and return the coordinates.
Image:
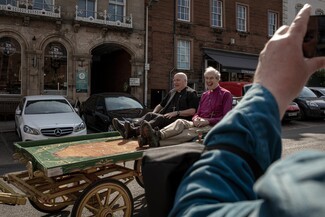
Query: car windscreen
(306, 92)
(47, 106)
(121, 103)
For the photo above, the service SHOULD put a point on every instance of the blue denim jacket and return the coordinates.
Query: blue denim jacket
(222, 183)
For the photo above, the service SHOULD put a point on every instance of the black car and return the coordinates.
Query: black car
(99, 110)
(292, 112)
(310, 105)
(319, 91)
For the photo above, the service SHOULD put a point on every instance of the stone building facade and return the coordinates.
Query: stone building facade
(72, 48)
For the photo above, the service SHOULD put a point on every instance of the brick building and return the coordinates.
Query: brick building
(80, 47)
(72, 48)
(190, 35)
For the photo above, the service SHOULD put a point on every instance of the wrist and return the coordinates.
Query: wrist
(178, 113)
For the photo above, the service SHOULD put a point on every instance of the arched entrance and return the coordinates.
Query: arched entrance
(110, 69)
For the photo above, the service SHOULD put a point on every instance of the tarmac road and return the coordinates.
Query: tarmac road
(296, 136)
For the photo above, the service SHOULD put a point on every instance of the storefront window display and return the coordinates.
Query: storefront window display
(10, 66)
(55, 69)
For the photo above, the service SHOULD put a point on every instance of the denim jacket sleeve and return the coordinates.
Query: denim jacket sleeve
(220, 182)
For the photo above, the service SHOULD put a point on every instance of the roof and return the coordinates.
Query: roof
(44, 97)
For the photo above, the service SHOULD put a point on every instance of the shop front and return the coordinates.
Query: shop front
(233, 66)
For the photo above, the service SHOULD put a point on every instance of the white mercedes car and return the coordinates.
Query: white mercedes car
(47, 116)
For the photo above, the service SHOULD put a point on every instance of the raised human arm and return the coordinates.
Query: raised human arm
(221, 182)
(282, 68)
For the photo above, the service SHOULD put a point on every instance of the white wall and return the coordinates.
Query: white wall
(289, 8)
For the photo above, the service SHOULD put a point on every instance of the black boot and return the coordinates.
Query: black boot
(149, 134)
(142, 141)
(131, 130)
(119, 126)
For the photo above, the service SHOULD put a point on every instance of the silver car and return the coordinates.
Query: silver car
(47, 116)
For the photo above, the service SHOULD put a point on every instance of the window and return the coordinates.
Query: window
(216, 13)
(43, 4)
(10, 66)
(272, 23)
(298, 7)
(116, 10)
(55, 69)
(8, 2)
(183, 54)
(319, 12)
(241, 18)
(86, 8)
(183, 10)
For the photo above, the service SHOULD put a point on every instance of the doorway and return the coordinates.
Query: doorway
(110, 69)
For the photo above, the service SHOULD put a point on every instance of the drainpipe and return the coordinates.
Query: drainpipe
(146, 64)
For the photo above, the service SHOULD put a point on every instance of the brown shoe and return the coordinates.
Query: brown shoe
(119, 126)
(148, 133)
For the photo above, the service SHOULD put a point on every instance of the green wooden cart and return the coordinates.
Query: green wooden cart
(88, 172)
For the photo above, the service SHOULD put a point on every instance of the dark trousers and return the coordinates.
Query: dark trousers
(155, 120)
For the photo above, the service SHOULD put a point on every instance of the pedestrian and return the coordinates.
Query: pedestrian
(247, 141)
(214, 104)
(181, 102)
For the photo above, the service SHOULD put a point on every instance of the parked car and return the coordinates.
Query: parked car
(47, 116)
(99, 110)
(310, 105)
(292, 112)
(319, 91)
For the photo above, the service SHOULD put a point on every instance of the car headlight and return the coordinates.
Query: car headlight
(312, 104)
(30, 130)
(80, 127)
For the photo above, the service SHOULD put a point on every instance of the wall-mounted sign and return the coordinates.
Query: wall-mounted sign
(135, 82)
(82, 80)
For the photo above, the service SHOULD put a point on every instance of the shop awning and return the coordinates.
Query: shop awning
(233, 60)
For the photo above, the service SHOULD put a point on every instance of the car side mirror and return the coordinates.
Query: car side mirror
(18, 112)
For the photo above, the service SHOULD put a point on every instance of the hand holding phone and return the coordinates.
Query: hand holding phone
(314, 40)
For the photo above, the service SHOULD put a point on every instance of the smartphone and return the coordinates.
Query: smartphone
(314, 40)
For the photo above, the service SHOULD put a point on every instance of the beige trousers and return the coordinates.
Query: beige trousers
(180, 131)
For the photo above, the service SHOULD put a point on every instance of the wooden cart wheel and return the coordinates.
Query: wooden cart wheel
(138, 167)
(49, 208)
(105, 197)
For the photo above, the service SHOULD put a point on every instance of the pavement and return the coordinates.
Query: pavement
(7, 126)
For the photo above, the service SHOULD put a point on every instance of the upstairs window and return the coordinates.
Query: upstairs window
(272, 23)
(183, 54)
(319, 12)
(298, 8)
(8, 2)
(241, 17)
(216, 13)
(86, 8)
(43, 5)
(116, 10)
(183, 10)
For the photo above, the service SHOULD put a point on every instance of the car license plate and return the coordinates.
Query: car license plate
(293, 114)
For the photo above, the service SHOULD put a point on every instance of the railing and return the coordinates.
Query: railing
(30, 7)
(103, 18)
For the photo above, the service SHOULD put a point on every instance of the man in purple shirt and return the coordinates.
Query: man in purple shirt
(215, 103)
